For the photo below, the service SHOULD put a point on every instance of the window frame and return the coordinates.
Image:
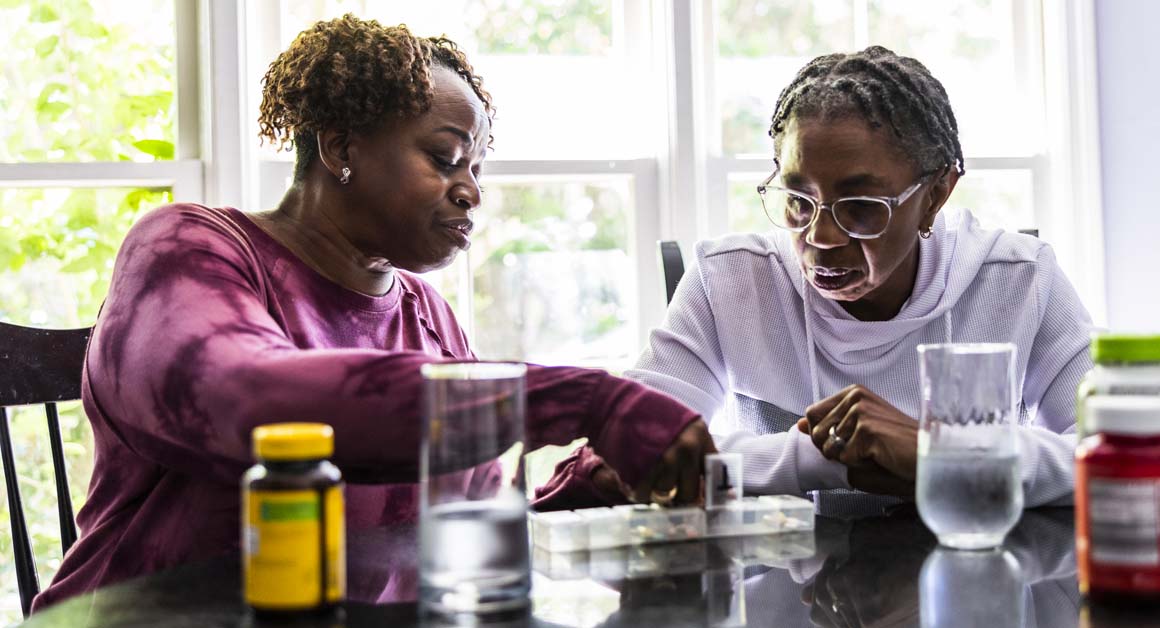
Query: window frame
(1056, 46)
(190, 175)
(679, 194)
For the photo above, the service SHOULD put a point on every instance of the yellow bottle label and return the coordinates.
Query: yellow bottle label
(283, 549)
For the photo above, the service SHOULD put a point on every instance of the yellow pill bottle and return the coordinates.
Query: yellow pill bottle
(293, 523)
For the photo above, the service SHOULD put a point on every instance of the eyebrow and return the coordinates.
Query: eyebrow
(854, 182)
(457, 132)
(863, 180)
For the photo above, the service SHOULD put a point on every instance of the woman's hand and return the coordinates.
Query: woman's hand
(873, 438)
(680, 468)
(676, 478)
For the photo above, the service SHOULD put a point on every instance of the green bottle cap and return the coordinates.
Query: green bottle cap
(1125, 348)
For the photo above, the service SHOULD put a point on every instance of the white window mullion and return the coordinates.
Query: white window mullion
(222, 24)
(1074, 220)
(683, 173)
(649, 309)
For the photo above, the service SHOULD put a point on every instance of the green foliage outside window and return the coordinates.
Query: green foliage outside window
(83, 81)
(557, 27)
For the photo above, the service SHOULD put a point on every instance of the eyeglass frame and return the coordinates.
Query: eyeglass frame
(891, 202)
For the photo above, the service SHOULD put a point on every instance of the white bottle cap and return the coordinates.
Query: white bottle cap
(1122, 414)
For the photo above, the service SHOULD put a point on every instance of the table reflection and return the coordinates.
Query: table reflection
(891, 572)
(885, 571)
(866, 572)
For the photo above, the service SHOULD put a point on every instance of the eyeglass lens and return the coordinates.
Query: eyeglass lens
(856, 216)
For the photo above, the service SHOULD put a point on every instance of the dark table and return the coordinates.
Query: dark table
(882, 571)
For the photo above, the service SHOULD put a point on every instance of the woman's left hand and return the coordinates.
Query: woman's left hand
(865, 429)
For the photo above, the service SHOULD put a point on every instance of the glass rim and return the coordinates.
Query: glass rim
(473, 370)
(967, 348)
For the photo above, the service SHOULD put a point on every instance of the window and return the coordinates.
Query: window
(674, 99)
(568, 215)
(620, 123)
(89, 139)
(990, 56)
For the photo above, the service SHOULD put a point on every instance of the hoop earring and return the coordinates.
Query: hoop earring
(345, 178)
(925, 233)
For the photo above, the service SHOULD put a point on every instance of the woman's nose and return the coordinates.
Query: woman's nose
(824, 232)
(467, 194)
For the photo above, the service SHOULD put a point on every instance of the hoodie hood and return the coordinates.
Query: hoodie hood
(957, 241)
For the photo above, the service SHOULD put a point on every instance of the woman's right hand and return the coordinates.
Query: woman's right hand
(679, 469)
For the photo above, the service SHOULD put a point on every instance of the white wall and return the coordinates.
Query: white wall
(1128, 45)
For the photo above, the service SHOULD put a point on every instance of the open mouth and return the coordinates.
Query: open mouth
(459, 231)
(831, 279)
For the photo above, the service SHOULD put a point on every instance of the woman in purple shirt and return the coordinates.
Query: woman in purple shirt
(218, 321)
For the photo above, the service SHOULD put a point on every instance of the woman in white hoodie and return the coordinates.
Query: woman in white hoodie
(814, 325)
(784, 335)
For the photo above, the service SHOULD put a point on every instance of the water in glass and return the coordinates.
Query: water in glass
(474, 551)
(481, 561)
(968, 489)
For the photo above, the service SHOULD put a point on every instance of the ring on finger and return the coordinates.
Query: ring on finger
(664, 498)
(837, 443)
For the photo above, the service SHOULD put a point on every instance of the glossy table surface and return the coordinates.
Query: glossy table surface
(883, 571)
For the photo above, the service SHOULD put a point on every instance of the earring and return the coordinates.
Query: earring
(345, 178)
(925, 233)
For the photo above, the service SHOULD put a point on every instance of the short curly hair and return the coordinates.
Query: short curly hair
(886, 89)
(352, 74)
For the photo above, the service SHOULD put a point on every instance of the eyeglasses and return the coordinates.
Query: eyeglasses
(861, 217)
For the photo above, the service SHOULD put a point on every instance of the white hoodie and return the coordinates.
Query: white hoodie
(745, 329)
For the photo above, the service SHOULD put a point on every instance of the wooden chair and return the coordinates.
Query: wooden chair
(672, 266)
(38, 366)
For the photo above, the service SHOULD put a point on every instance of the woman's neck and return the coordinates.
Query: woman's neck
(886, 302)
(302, 223)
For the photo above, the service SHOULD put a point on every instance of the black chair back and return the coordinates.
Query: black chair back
(38, 366)
(672, 266)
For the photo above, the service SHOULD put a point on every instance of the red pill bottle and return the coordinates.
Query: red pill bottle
(1117, 498)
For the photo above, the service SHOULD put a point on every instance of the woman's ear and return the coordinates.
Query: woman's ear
(940, 190)
(333, 151)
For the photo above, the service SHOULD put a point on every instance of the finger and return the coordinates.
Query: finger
(666, 478)
(608, 482)
(689, 479)
(821, 431)
(807, 595)
(843, 448)
(643, 489)
(803, 425)
(709, 446)
(815, 412)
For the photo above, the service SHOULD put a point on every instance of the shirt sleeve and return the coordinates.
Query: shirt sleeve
(186, 359)
(684, 359)
(1058, 359)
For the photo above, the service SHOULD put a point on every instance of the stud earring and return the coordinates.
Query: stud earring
(925, 233)
(345, 178)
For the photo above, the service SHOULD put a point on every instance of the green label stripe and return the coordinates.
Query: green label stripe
(289, 511)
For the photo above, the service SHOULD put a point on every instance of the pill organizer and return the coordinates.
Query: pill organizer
(723, 479)
(653, 524)
(560, 531)
(760, 515)
(606, 528)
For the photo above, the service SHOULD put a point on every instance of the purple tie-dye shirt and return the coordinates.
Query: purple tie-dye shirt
(212, 327)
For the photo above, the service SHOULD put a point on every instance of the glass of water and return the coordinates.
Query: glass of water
(474, 557)
(968, 488)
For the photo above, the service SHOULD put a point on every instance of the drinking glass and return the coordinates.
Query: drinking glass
(474, 556)
(968, 488)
